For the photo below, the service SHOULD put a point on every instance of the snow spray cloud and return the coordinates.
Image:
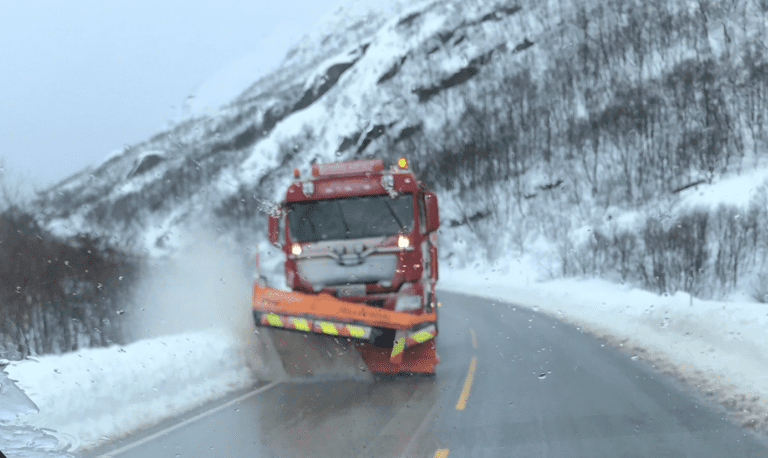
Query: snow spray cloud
(204, 286)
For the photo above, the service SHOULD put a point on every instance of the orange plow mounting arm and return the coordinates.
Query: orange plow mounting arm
(325, 307)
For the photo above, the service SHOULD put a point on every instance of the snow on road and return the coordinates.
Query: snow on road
(721, 347)
(93, 394)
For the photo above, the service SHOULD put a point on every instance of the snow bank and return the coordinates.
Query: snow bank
(27, 442)
(721, 347)
(13, 401)
(94, 394)
(16, 440)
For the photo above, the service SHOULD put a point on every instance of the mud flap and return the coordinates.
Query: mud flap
(420, 358)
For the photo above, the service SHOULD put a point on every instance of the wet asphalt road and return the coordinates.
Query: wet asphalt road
(540, 388)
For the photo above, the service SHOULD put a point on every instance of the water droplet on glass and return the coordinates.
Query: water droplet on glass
(120, 312)
(634, 358)
(535, 308)
(542, 376)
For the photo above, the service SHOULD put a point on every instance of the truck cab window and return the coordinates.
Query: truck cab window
(350, 218)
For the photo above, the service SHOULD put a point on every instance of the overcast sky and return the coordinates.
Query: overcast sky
(81, 78)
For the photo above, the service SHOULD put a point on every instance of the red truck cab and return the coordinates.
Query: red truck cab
(361, 233)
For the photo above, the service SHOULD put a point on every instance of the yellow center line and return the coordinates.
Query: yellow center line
(474, 338)
(467, 385)
(441, 453)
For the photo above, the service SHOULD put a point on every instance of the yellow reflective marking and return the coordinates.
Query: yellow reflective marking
(328, 328)
(301, 324)
(474, 338)
(399, 347)
(467, 385)
(421, 336)
(355, 331)
(274, 320)
(441, 453)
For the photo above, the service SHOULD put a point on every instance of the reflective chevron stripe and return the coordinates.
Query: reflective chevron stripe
(355, 331)
(397, 349)
(301, 324)
(327, 328)
(318, 326)
(401, 343)
(274, 320)
(422, 336)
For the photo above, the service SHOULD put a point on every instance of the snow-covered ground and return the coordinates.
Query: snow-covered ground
(17, 440)
(720, 347)
(93, 394)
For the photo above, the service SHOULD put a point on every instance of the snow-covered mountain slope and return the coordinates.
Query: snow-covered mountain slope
(365, 75)
(576, 130)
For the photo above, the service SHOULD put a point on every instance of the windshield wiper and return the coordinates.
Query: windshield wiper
(392, 212)
(343, 220)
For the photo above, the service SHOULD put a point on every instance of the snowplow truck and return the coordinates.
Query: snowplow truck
(360, 245)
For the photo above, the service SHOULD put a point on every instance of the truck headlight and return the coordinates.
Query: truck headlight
(407, 302)
(403, 242)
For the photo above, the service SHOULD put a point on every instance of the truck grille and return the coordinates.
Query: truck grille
(323, 272)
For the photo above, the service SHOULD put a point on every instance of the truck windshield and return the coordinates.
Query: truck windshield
(350, 218)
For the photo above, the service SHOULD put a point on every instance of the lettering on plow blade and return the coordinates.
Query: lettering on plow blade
(363, 312)
(269, 302)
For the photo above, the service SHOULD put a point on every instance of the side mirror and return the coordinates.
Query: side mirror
(433, 216)
(273, 231)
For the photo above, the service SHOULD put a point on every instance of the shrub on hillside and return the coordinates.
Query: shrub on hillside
(58, 295)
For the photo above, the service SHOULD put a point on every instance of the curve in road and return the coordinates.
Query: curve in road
(511, 382)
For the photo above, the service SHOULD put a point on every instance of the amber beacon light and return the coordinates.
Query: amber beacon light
(402, 163)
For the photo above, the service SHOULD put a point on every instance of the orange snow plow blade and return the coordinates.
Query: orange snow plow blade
(326, 307)
(414, 345)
